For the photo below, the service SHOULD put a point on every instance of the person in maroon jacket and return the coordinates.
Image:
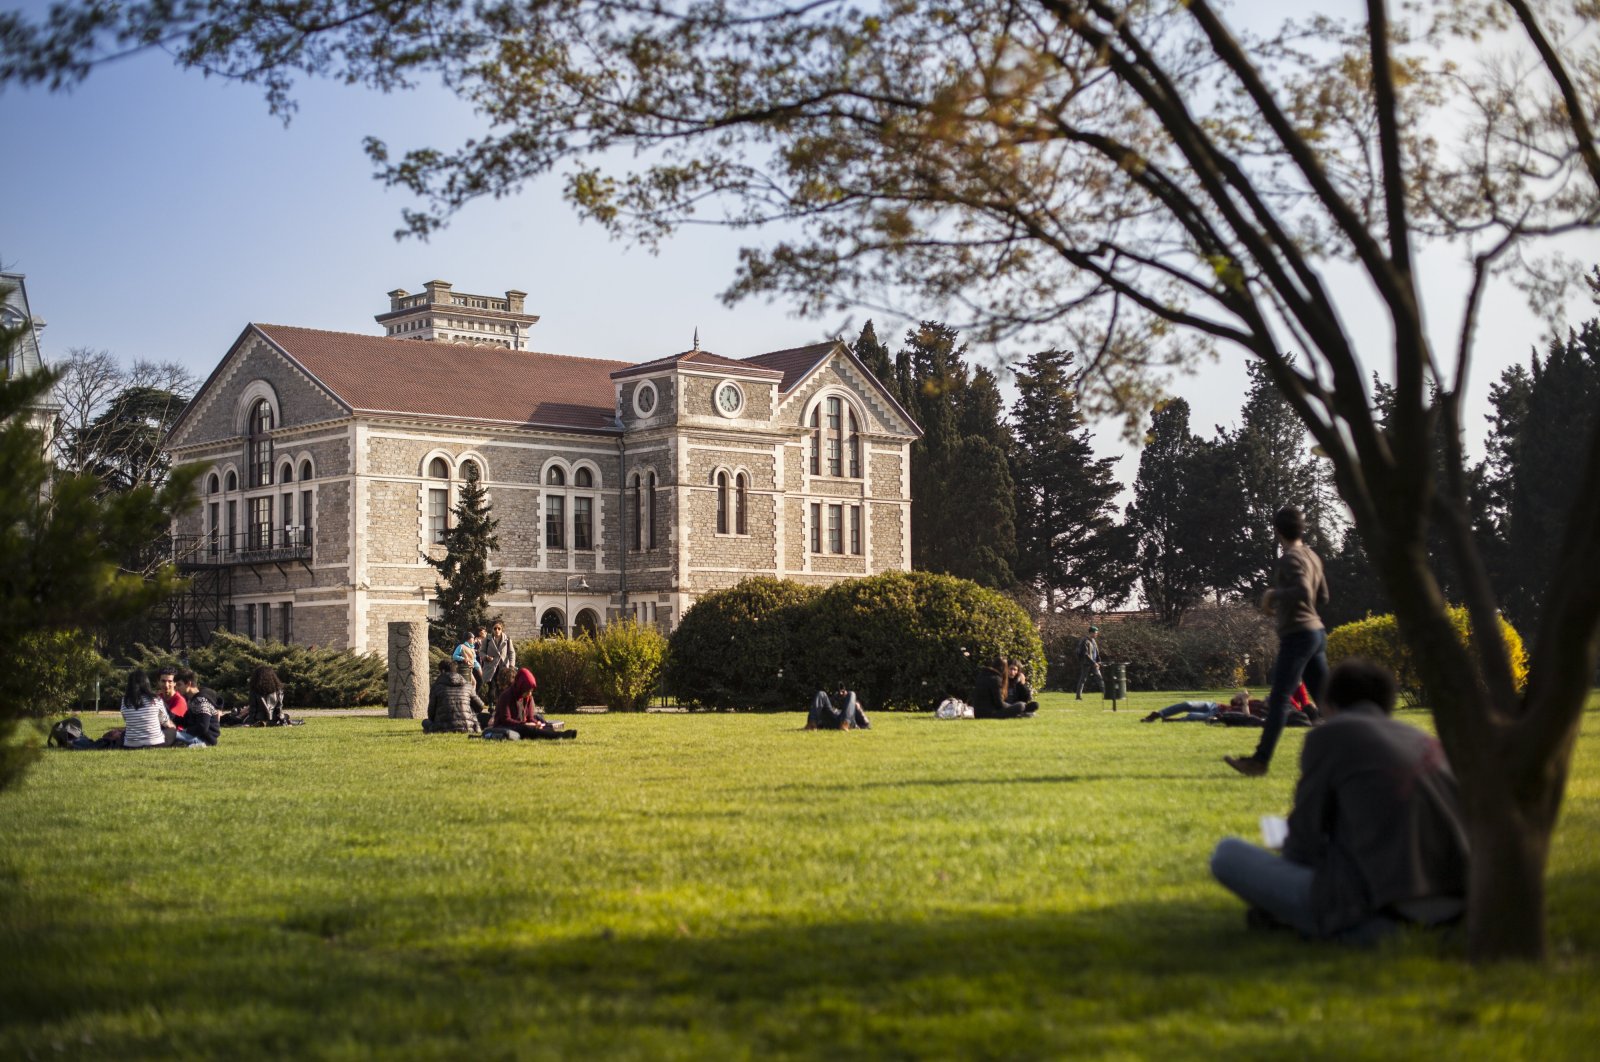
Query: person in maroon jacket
(515, 711)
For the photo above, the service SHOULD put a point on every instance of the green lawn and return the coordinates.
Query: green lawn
(720, 887)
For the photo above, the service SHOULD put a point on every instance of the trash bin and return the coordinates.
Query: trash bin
(1114, 683)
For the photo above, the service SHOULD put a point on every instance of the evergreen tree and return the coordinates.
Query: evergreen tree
(978, 541)
(1070, 548)
(465, 580)
(875, 356)
(981, 411)
(1184, 513)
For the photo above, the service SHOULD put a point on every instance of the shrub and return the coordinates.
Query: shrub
(312, 678)
(627, 661)
(562, 668)
(63, 666)
(736, 648)
(1378, 638)
(909, 639)
(1229, 645)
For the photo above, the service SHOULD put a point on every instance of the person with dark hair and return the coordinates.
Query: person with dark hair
(515, 712)
(845, 715)
(1089, 660)
(266, 698)
(204, 717)
(453, 703)
(498, 656)
(1017, 687)
(992, 696)
(177, 706)
(144, 717)
(1201, 711)
(1376, 838)
(1299, 589)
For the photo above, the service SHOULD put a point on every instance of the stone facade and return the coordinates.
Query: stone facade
(674, 478)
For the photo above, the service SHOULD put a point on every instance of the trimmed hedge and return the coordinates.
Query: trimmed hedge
(901, 640)
(1378, 638)
(312, 678)
(1214, 648)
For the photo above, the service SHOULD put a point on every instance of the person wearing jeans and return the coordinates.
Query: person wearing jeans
(1299, 588)
(1375, 840)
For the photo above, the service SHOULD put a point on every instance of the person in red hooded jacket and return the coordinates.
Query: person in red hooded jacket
(515, 711)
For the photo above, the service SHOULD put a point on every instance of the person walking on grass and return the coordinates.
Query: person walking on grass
(1298, 590)
(1089, 660)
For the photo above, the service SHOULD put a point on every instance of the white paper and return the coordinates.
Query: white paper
(1274, 830)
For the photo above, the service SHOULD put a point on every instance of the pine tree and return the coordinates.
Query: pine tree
(1069, 546)
(875, 356)
(465, 579)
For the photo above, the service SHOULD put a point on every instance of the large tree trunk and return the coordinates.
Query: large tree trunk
(1505, 893)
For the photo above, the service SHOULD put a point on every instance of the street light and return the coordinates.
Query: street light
(583, 584)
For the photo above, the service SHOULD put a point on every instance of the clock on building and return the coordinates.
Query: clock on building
(644, 399)
(730, 400)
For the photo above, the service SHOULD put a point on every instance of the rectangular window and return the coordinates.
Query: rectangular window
(652, 514)
(855, 452)
(266, 622)
(583, 523)
(638, 515)
(855, 529)
(286, 622)
(261, 522)
(214, 528)
(232, 529)
(833, 456)
(249, 612)
(835, 531)
(438, 514)
(555, 522)
(286, 503)
(816, 528)
(305, 518)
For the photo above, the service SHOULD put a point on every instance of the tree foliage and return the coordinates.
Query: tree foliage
(1134, 176)
(466, 581)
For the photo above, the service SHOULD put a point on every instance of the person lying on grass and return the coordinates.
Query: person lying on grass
(846, 715)
(1202, 711)
(453, 703)
(1375, 840)
(514, 711)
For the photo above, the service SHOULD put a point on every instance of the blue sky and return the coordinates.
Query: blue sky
(156, 212)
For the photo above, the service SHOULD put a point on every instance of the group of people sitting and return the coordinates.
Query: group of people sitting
(175, 710)
(454, 707)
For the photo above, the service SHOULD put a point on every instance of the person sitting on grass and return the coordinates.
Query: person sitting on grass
(846, 715)
(515, 711)
(266, 698)
(1376, 838)
(146, 724)
(1017, 687)
(992, 696)
(1200, 711)
(204, 717)
(453, 703)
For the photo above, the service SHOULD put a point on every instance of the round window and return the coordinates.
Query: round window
(729, 399)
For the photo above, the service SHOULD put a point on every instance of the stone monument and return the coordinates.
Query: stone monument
(408, 669)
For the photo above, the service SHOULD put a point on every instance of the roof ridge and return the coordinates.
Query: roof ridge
(474, 346)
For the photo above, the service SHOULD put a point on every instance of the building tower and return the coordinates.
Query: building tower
(441, 315)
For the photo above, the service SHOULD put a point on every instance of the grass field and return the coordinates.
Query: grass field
(721, 887)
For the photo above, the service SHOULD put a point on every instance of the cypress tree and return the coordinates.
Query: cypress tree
(465, 579)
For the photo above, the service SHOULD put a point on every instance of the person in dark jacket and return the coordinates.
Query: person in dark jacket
(515, 711)
(991, 694)
(1376, 839)
(204, 717)
(845, 715)
(266, 698)
(453, 703)
(1018, 689)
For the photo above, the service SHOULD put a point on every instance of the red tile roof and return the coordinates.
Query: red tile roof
(699, 358)
(460, 381)
(795, 362)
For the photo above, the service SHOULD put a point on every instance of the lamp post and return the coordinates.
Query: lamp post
(583, 584)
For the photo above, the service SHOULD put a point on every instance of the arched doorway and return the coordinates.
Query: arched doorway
(552, 624)
(587, 623)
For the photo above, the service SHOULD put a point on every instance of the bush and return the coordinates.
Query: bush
(1378, 638)
(736, 648)
(312, 678)
(906, 640)
(626, 668)
(1226, 646)
(64, 666)
(562, 668)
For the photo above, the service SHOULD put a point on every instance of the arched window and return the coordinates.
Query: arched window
(286, 473)
(583, 511)
(438, 501)
(722, 503)
(854, 446)
(552, 624)
(583, 478)
(650, 510)
(211, 483)
(816, 441)
(259, 454)
(740, 522)
(638, 514)
(233, 480)
(305, 471)
(833, 441)
(555, 476)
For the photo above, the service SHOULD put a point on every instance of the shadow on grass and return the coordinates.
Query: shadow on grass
(414, 978)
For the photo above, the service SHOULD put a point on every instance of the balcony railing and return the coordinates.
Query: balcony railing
(257, 545)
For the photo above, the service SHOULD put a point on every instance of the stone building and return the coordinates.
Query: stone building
(24, 356)
(333, 461)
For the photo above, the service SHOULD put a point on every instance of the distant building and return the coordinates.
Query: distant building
(333, 461)
(25, 356)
